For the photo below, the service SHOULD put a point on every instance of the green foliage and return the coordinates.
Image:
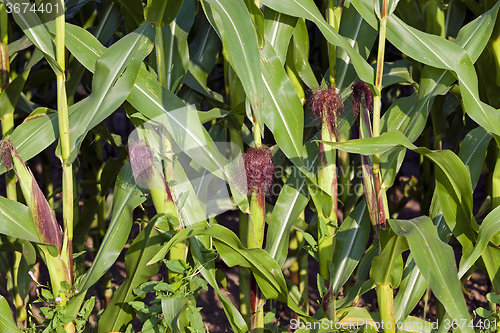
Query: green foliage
(171, 298)
(56, 315)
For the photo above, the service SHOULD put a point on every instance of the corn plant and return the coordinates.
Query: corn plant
(151, 119)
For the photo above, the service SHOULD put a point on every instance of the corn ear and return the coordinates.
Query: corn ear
(365, 131)
(41, 213)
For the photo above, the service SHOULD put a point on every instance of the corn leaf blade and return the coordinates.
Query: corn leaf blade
(436, 261)
(7, 323)
(233, 24)
(126, 197)
(308, 10)
(119, 313)
(162, 12)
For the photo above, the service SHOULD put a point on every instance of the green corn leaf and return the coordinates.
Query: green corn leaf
(233, 24)
(10, 96)
(33, 28)
(87, 49)
(350, 242)
(115, 73)
(7, 323)
(459, 62)
(411, 117)
(488, 229)
(191, 210)
(437, 264)
(473, 151)
(278, 29)
(359, 313)
(83, 45)
(413, 286)
(208, 271)
(409, 114)
(370, 145)
(133, 13)
(33, 136)
(409, 11)
(396, 72)
(196, 79)
(292, 200)
(453, 182)
(26, 264)
(411, 290)
(438, 52)
(258, 21)
(387, 268)
(308, 10)
(153, 100)
(119, 313)
(205, 48)
(298, 55)
(162, 12)
(126, 197)
(266, 271)
(398, 116)
(454, 190)
(354, 27)
(284, 115)
(16, 221)
(19, 45)
(270, 280)
(176, 52)
(215, 113)
(193, 213)
(474, 36)
(110, 21)
(187, 131)
(233, 253)
(145, 97)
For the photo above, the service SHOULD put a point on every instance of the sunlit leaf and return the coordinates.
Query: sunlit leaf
(436, 262)
(7, 323)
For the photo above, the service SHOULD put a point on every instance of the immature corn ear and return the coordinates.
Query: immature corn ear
(363, 105)
(148, 176)
(142, 163)
(362, 98)
(41, 213)
(259, 169)
(369, 187)
(327, 105)
(4, 66)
